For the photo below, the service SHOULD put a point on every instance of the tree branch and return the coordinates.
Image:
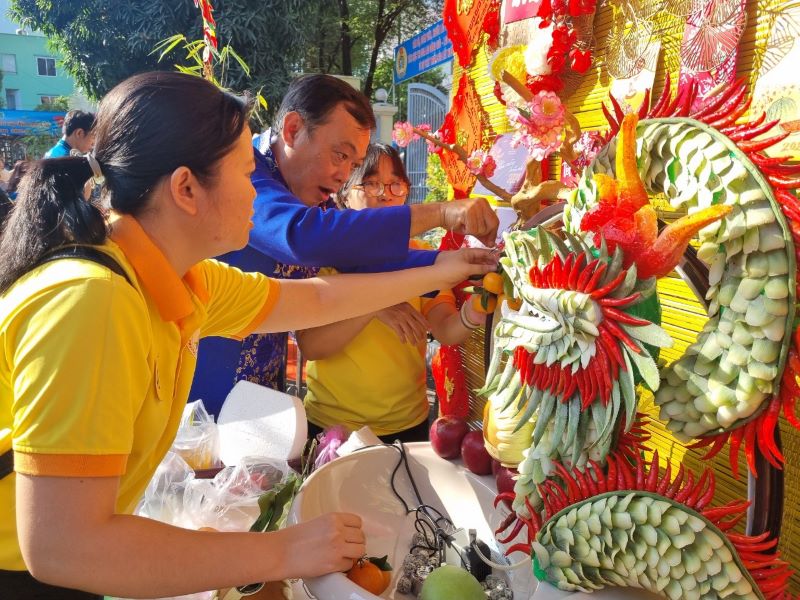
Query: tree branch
(463, 156)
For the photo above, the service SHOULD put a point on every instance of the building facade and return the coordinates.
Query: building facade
(32, 75)
(32, 78)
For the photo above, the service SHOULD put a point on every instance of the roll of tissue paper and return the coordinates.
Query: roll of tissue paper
(259, 421)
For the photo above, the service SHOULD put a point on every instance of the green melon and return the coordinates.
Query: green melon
(448, 582)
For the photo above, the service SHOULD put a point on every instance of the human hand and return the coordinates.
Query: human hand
(409, 325)
(328, 544)
(473, 216)
(473, 316)
(466, 263)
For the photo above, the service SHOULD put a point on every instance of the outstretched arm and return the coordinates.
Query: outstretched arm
(293, 233)
(313, 302)
(71, 536)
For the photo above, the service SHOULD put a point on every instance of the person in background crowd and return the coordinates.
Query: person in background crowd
(370, 370)
(20, 168)
(320, 134)
(5, 174)
(100, 343)
(78, 134)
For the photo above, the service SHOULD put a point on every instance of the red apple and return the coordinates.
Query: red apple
(504, 478)
(474, 454)
(496, 465)
(446, 435)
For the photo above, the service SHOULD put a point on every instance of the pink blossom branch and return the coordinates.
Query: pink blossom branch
(463, 156)
(573, 128)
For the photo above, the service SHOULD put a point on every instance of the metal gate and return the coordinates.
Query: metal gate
(428, 105)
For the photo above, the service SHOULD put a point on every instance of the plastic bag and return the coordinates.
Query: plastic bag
(197, 439)
(229, 502)
(163, 498)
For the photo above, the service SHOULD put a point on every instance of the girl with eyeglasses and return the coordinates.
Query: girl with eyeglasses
(370, 370)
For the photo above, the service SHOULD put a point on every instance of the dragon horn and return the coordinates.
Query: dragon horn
(632, 193)
(671, 243)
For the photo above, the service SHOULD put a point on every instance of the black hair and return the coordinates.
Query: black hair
(78, 119)
(370, 166)
(315, 96)
(147, 126)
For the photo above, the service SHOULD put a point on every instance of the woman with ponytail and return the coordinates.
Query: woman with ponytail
(100, 317)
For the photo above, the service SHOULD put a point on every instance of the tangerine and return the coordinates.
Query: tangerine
(493, 283)
(478, 303)
(366, 574)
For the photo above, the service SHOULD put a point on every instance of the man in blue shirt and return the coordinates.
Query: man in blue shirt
(321, 131)
(78, 134)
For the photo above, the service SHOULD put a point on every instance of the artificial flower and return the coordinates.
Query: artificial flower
(427, 129)
(548, 83)
(581, 60)
(538, 49)
(545, 10)
(512, 60)
(547, 110)
(587, 148)
(489, 166)
(539, 124)
(403, 133)
(564, 37)
(581, 7)
(481, 162)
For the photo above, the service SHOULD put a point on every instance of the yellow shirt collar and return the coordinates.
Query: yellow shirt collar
(171, 293)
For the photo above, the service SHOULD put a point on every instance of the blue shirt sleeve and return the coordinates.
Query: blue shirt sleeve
(290, 232)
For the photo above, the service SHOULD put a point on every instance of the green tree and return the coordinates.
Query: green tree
(36, 145)
(353, 37)
(384, 78)
(379, 19)
(436, 182)
(60, 104)
(374, 27)
(104, 41)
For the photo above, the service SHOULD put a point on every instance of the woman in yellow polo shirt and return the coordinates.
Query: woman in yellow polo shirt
(98, 358)
(370, 370)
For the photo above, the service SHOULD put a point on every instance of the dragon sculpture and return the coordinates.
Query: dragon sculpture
(562, 408)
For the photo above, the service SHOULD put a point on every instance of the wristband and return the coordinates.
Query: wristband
(465, 320)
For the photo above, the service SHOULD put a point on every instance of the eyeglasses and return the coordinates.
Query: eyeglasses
(375, 188)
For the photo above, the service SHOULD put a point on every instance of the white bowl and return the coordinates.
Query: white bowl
(360, 483)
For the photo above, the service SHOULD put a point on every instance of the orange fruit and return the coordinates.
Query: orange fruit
(367, 575)
(514, 303)
(477, 303)
(493, 283)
